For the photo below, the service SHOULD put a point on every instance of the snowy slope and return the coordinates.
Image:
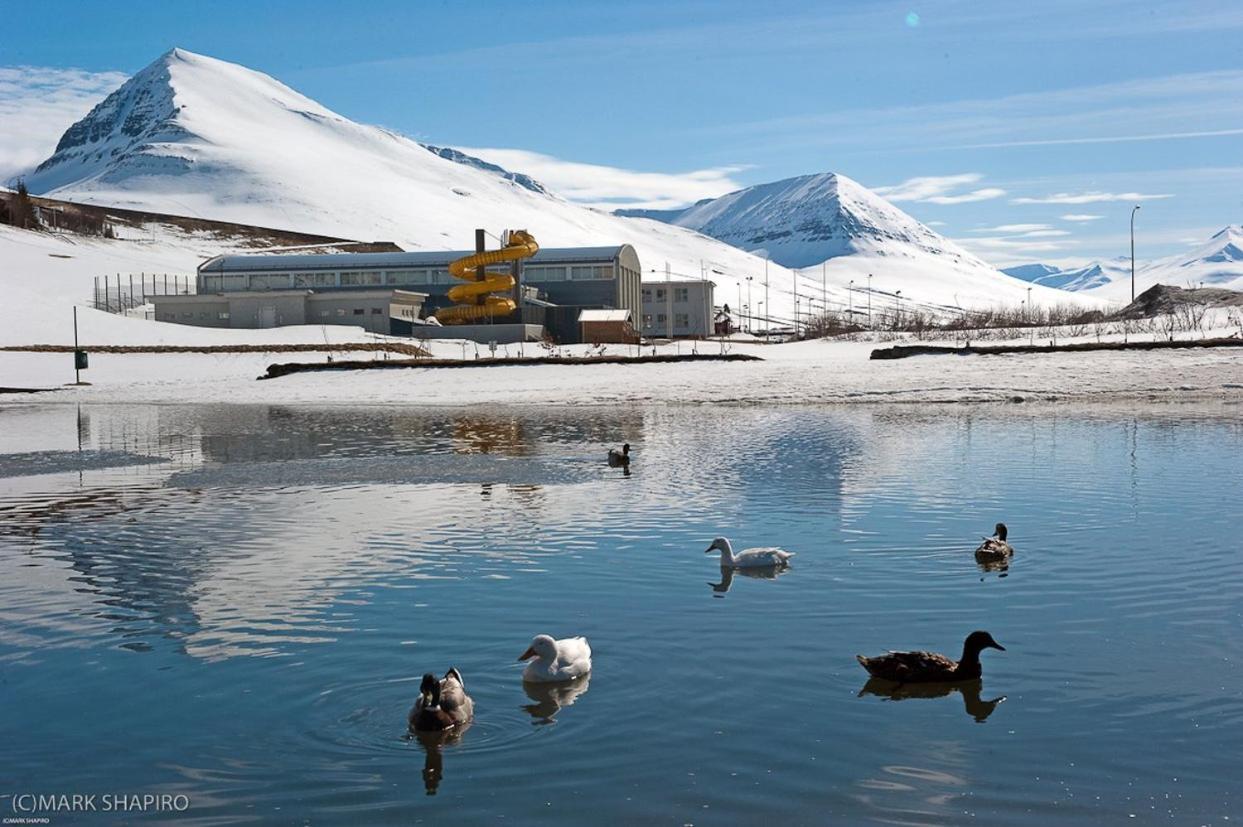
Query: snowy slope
(1216, 263)
(805, 221)
(1030, 272)
(196, 136)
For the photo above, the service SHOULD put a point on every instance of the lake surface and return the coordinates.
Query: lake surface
(245, 620)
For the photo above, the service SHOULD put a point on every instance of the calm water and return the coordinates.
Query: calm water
(246, 620)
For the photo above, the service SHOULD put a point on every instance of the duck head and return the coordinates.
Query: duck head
(542, 647)
(430, 690)
(626, 449)
(1000, 531)
(978, 641)
(719, 544)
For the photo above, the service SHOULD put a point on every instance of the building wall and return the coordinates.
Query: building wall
(608, 333)
(688, 303)
(366, 309)
(605, 282)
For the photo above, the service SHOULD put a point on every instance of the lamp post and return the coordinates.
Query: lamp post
(850, 302)
(869, 301)
(769, 307)
(1133, 211)
(749, 327)
(1028, 315)
(897, 296)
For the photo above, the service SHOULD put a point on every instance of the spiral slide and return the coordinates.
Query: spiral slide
(474, 299)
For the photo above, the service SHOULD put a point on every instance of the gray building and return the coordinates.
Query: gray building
(677, 308)
(379, 311)
(600, 277)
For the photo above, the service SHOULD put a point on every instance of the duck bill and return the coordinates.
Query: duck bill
(998, 646)
(527, 655)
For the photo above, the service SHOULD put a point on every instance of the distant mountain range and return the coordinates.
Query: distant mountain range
(1216, 263)
(192, 135)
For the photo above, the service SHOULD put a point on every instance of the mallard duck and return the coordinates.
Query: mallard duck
(930, 667)
(442, 704)
(748, 558)
(995, 547)
(556, 660)
(620, 459)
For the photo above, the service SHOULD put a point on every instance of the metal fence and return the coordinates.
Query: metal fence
(121, 293)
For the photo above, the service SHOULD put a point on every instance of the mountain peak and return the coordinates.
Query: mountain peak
(807, 219)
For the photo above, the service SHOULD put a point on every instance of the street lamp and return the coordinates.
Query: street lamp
(850, 302)
(1133, 211)
(869, 301)
(749, 327)
(897, 296)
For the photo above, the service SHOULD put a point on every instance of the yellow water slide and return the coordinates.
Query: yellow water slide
(474, 299)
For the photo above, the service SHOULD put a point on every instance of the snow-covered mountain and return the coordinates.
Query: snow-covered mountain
(1030, 272)
(828, 218)
(193, 135)
(1216, 263)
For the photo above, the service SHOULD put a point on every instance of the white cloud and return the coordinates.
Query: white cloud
(1089, 197)
(1014, 228)
(1074, 216)
(597, 185)
(939, 189)
(37, 104)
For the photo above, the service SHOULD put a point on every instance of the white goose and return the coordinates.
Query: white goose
(748, 558)
(556, 660)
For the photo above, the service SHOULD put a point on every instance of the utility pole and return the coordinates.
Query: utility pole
(768, 308)
(749, 305)
(796, 275)
(824, 288)
(869, 301)
(668, 302)
(850, 302)
(1133, 211)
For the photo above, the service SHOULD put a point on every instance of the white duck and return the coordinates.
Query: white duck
(751, 558)
(556, 660)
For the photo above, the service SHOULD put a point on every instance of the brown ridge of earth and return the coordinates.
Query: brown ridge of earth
(284, 369)
(366, 347)
(903, 351)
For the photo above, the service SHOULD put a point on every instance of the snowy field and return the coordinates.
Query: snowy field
(794, 373)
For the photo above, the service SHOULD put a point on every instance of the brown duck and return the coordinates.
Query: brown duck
(442, 704)
(931, 667)
(995, 548)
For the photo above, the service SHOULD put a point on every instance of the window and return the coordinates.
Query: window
(202, 314)
(323, 314)
(660, 294)
(271, 281)
(399, 277)
(315, 280)
(377, 311)
(359, 277)
(213, 284)
(187, 315)
(360, 311)
(647, 319)
(681, 320)
(340, 311)
(681, 294)
(222, 315)
(661, 318)
(647, 295)
(543, 273)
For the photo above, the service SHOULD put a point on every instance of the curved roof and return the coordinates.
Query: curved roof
(359, 261)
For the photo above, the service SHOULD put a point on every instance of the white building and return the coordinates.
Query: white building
(677, 308)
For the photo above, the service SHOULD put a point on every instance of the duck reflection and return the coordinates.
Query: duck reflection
(975, 706)
(549, 698)
(998, 566)
(761, 573)
(433, 744)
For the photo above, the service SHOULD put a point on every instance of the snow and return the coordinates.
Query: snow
(192, 135)
(1216, 263)
(819, 371)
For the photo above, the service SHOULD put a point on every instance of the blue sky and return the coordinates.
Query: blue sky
(991, 121)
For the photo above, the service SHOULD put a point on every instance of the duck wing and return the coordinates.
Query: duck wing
(763, 557)
(992, 547)
(453, 697)
(573, 656)
(909, 667)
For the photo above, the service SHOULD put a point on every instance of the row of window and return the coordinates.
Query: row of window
(680, 294)
(679, 320)
(213, 283)
(187, 314)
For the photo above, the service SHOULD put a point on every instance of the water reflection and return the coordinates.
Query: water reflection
(759, 573)
(973, 704)
(433, 744)
(551, 698)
